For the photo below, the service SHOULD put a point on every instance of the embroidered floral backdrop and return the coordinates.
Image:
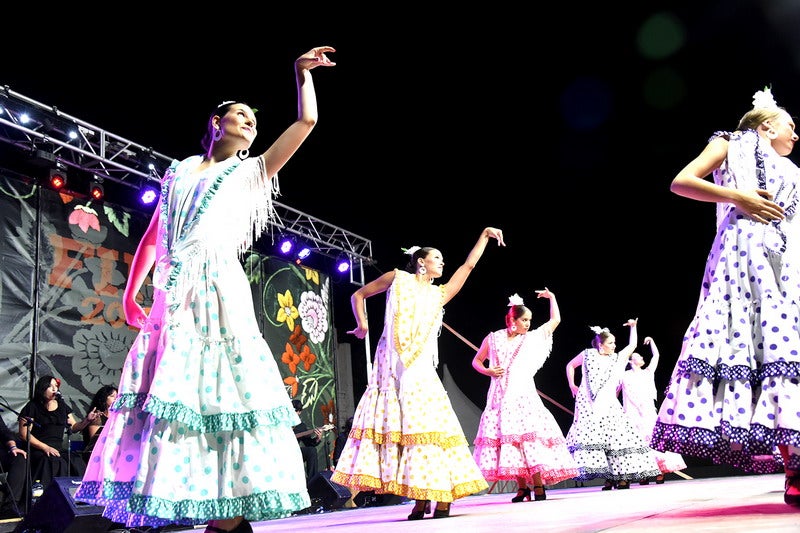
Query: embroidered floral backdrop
(63, 266)
(294, 304)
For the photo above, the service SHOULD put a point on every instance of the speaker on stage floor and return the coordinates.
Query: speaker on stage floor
(322, 490)
(370, 499)
(56, 511)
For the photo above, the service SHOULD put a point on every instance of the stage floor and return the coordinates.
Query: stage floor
(731, 503)
(746, 503)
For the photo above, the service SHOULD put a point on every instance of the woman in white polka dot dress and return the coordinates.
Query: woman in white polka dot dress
(202, 428)
(406, 438)
(602, 439)
(734, 395)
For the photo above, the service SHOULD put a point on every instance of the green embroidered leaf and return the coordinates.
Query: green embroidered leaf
(119, 219)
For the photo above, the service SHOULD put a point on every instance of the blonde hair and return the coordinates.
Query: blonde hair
(755, 117)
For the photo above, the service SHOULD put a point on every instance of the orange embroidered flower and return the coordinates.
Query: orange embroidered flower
(290, 358)
(328, 411)
(297, 338)
(307, 357)
(292, 382)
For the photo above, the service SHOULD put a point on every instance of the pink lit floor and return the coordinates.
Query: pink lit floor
(745, 503)
(714, 504)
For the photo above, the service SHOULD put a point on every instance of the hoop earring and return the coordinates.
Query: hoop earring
(513, 327)
(243, 154)
(422, 270)
(217, 135)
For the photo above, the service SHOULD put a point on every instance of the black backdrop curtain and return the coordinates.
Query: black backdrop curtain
(64, 262)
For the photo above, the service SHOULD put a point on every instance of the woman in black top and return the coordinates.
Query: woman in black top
(103, 400)
(50, 417)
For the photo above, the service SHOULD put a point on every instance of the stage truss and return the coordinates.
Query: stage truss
(56, 138)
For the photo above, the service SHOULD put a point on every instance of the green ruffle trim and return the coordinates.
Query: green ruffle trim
(265, 505)
(163, 204)
(261, 506)
(176, 411)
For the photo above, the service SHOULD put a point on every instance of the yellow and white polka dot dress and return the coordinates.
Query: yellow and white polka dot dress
(406, 438)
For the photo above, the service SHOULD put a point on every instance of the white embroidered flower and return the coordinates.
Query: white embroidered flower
(515, 299)
(410, 251)
(764, 99)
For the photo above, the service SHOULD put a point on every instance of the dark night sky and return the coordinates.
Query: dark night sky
(563, 127)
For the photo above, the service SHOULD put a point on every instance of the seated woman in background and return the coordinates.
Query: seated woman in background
(48, 416)
(103, 400)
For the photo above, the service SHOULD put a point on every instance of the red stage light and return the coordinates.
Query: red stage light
(58, 179)
(96, 191)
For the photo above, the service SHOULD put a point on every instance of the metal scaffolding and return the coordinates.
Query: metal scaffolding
(54, 137)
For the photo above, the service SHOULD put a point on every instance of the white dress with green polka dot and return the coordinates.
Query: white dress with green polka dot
(202, 428)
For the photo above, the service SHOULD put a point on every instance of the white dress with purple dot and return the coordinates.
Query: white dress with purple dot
(734, 394)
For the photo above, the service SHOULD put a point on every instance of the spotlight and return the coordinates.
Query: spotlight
(96, 191)
(343, 264)
(148, 194)
(58, 178)
(147, 162)
(285, 244)
(304, 252)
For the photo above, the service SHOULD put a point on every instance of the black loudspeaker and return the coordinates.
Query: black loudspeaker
(56, 511)
(370, 499)
(327, 493)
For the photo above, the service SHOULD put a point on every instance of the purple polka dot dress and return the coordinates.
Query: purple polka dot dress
(734, 394)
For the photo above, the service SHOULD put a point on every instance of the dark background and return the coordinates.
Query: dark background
(561, 124)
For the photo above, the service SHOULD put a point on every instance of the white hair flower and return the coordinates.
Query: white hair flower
(515, 299)
(597, 330)
(764, 99)
(410, 251)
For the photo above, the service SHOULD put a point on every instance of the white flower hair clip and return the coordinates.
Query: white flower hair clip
(515, 299)
(410, 251)
(764, 99)
(597, 330)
